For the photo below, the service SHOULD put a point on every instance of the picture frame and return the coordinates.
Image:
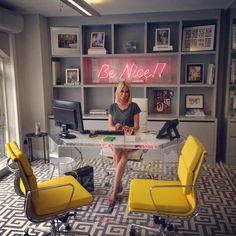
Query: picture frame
(162, 37)
(234, 37)
(65, 41)
(97, 40)
(194, 101)
(198, 38)
(194, 73)
(72, 76)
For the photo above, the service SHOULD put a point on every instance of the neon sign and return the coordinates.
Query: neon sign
(139, 69)
(131, 72)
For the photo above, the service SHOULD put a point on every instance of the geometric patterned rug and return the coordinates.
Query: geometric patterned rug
(217, 198)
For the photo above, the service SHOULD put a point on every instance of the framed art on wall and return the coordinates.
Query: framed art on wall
(194, 101)
(65, 41)
(162, 37)
(194, 73)
(72, 76)
(198, 38)
(97, 40)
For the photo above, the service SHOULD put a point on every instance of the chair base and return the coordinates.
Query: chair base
(58, 226)
(164, 227)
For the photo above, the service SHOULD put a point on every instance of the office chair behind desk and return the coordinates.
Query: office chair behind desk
(50, 200)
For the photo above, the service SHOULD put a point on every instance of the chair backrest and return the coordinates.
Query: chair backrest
(190, 162)
(143, 105)
(26, 173)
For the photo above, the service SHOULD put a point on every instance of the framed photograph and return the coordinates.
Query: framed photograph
(162, 37)
(234, 37)
(162, 101)
(194, 101)
(194, 73)
(72, 76)
(198, 38)
(65, 41)
(97, 40)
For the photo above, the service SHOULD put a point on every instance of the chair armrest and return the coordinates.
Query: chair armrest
(165, 186)
(29, 193)
(12, 166)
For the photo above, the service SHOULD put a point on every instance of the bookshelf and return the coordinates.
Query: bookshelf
(129, 44)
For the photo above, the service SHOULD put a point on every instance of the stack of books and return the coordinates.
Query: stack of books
(194, 112)
(97, 51)
(163, 48)
(98, 112)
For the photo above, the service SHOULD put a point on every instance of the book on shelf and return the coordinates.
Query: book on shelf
(97, 51)
(56, 73)
(162, 101)
(194, 112)
(210, 74)
(233, 72)
(98, 112)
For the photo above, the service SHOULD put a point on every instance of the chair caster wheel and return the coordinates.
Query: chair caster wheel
(68, 227)
(26, 233)
(133, 232)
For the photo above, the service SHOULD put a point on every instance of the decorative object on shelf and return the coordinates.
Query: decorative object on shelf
(162, 40)
(233, 72)
(56, 73)
(97, 43)
(194, 73)
(234, 37)
(130, 46)
(198, 38)
(72, 76)
(194, 104)
(162, 101)
(65, 41)
(210, 74)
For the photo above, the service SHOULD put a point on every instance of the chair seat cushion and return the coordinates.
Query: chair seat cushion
(168, 200)
(56, 199)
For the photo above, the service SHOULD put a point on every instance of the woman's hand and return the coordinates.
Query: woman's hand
(118, 126)
(127, 130)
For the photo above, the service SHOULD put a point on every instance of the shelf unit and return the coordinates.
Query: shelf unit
(98, 93)
(230, 104)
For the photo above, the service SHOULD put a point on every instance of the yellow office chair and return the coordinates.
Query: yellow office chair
(49, 200)
(169, 198)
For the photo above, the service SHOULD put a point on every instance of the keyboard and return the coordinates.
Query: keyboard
(109, 132)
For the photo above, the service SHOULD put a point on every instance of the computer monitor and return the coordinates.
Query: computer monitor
(169, 129)
(68, 115)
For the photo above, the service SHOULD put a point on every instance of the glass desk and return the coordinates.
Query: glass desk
(146, 141)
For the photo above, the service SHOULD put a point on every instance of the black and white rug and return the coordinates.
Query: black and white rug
(217, 199)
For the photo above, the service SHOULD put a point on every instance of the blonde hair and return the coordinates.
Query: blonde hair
(119, 87)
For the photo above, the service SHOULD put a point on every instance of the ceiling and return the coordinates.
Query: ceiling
(51, 8)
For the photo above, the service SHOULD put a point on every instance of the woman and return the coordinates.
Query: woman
(123, 115)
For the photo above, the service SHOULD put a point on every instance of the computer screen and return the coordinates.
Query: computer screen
(68, 115)
(169, 129)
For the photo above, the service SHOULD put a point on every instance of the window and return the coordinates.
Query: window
(2, 118)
